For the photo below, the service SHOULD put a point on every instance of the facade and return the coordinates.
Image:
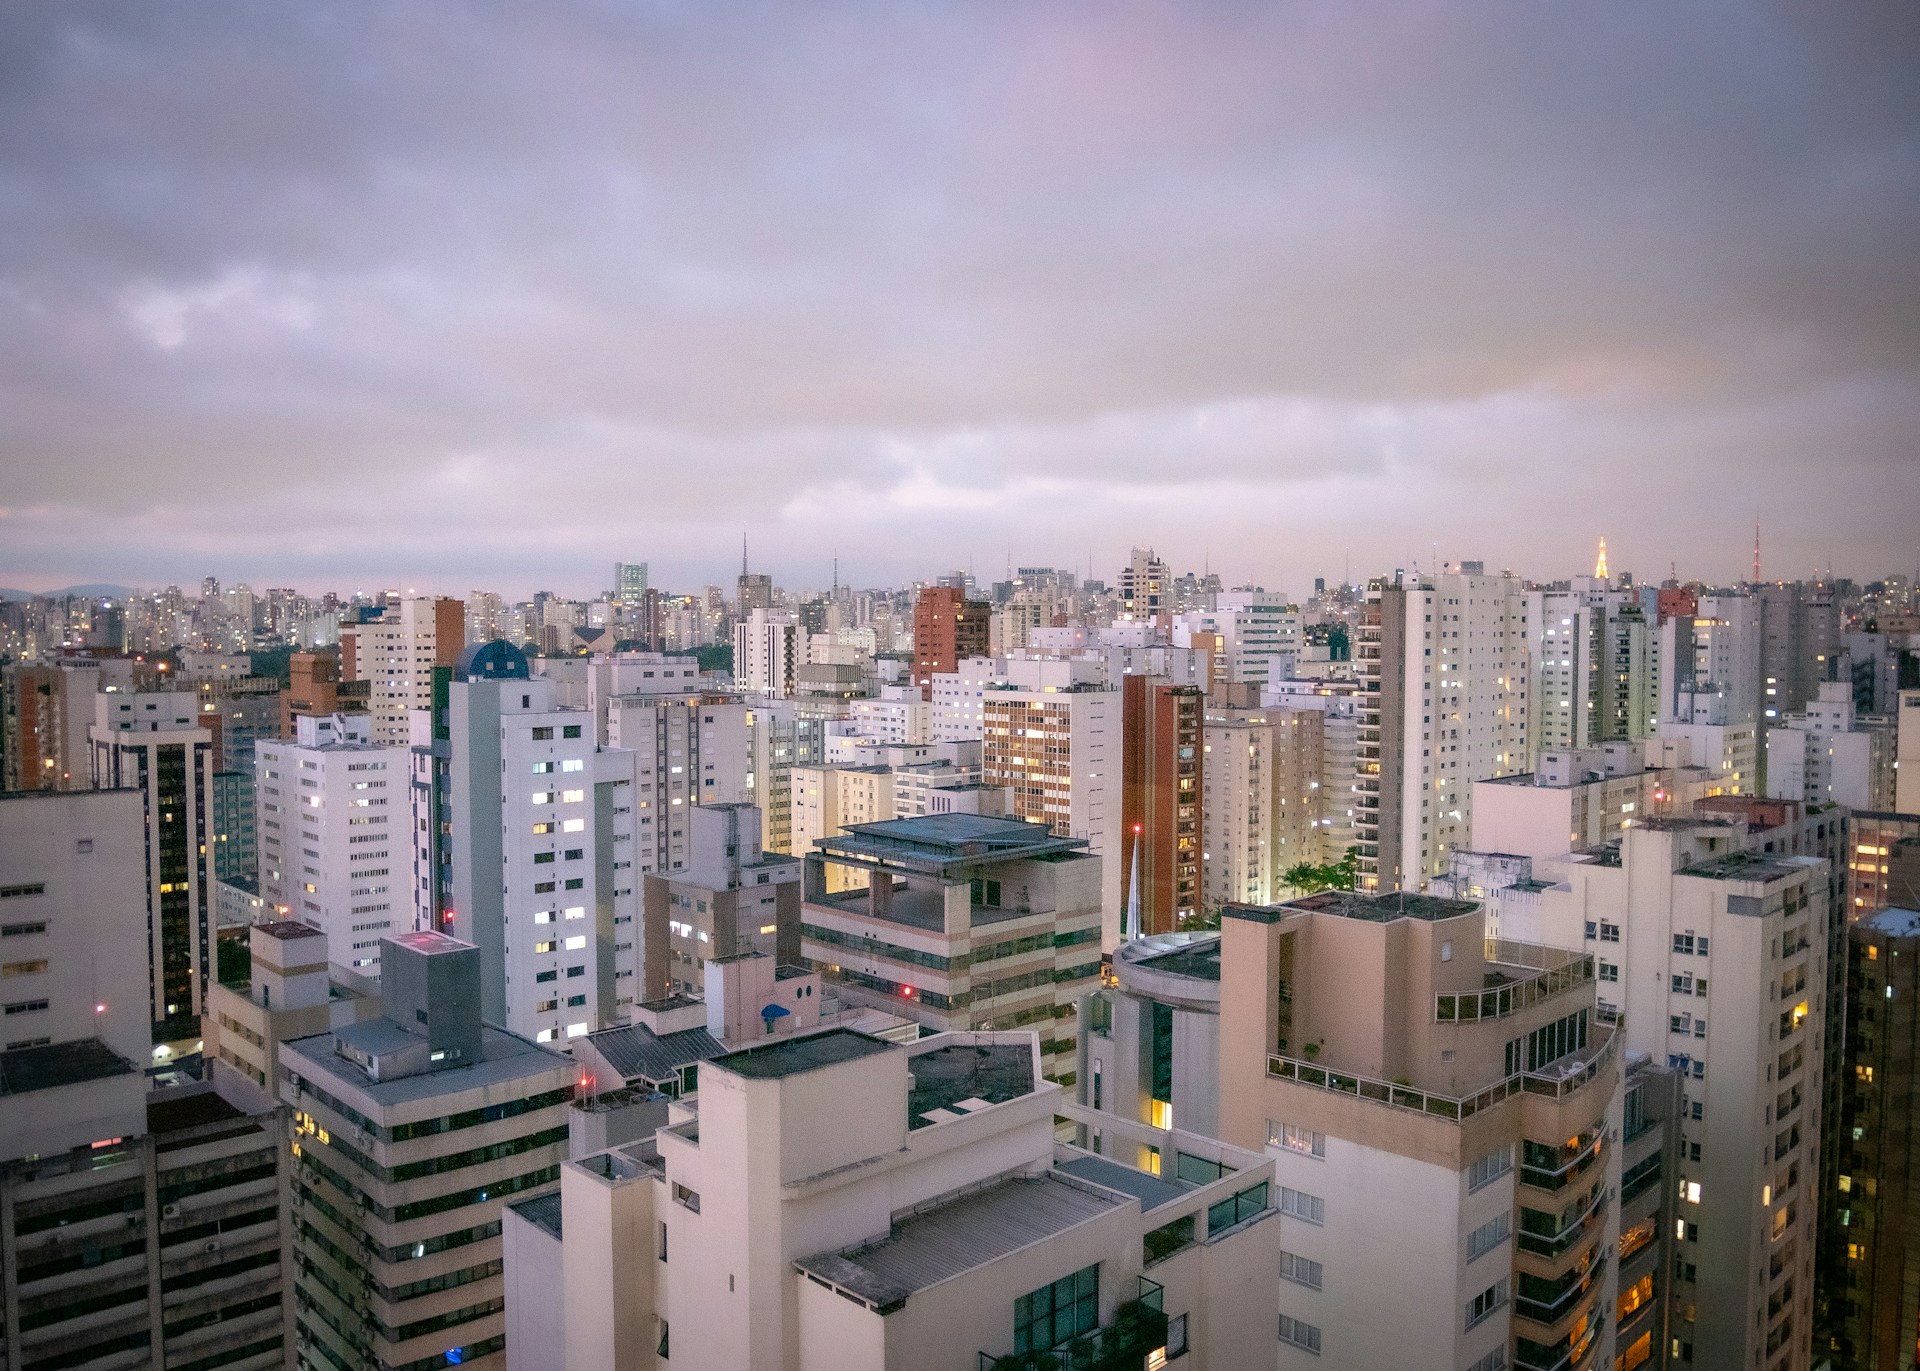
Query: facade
(1799, 645)
(1826, 755)
(688, 751)
(1595, 663)
(1443, 667)
(1059, 754)
(868, 1206)
(1874, 1220)
(314, 687)
(966, 922)
(412, 1131)
(395, 651)
(1149, 1049)
(1262, 797)
(1581, 798)
(1907, 776)
(1481, 1128)
(948, 628)
(1883, 863)
(334, 826)
(1146, 591)
(149, 742)
(1163, 765)
(292, 993)
(768, 651)
(541, 839)
(733, 897)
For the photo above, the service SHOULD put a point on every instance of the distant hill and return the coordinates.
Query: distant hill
(89, 592)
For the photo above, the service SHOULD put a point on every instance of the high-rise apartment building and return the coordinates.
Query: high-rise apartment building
(629, 584)
(967, 921)
(1873, 1219)
(1595, 663)
(1163, 765)
(1906, 797)
(1827, 755)
(1443, 667)
(873, 1206)
(1799, 646)
(315, 688)
(1058, 752)
(152, 742)
(1255, 631)
(1412, 1078)
(412, 1131)
(768, 651)
(1145, 589)
(948, 628)
(731, 897)
(1261, 802)
(395, 651)
(541, 837)
(335, 830)
(688, 750)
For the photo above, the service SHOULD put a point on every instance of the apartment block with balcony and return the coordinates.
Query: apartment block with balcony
(967, 921)
(848, 1204)
(1445, 1117)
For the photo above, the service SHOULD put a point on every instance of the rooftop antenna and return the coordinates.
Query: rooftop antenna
(743, 552)
(1756, 551)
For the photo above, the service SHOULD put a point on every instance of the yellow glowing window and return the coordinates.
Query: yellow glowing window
(1799, 1013)
(1160, 1114)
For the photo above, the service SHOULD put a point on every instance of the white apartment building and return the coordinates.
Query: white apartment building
(1907, 760)
(1259, 630)
(1596, 670)
(851, 1204)
(1580, 798)
(396, 650)
(542, 836)
(829, 799)
(1674, 909)
(1444, 669)
(149, 742)
(1260, 802)
(958, 712)
(1338, 704)
(687, 751)
(769, 648)
(335, 830)
(1058, 753)
(1828, 756)
(733, 897)
(1726, 655)
(897, 715)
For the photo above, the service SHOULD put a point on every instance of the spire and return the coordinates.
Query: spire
(1600, 567)
(1756, 552)
(743, 552)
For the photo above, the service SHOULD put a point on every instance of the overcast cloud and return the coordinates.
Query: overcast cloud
(491, 295)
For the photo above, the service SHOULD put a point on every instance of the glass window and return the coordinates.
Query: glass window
(1056, 1313)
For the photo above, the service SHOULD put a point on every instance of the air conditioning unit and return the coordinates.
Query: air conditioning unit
(169, 1211)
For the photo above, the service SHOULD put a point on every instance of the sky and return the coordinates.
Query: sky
(489, 296)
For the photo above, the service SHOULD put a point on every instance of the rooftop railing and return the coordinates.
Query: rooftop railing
(1547, 972)
(1571, 1076)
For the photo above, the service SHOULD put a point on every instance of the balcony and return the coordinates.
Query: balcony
(1545, 973)
(1139, 1327)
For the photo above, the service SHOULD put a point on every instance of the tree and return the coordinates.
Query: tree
(1341, 875)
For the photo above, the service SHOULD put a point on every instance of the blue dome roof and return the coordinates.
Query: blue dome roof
(494, 661)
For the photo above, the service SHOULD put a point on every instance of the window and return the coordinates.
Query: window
(1301, 1140)
(1176, 1337)
(32, 968)
(572, 797)
(570, 730)
(1300, 1334)
(543, 735)
(1300, 1205)
(1609, 971)
(1490, 1168)
(573, 764)
(661, 1349)
(685, 1198)
(1486, 1301)
(1683, 942)
(1495, 1360)
(663, 1240)
(1300, 1271)
(1056, 1313)
(1609, 933)
(1487, 1236)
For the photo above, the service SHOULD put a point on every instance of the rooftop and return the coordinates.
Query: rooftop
(1150, 1190)
(288, 929)
(430, 944)
(503, 1058)
(189, 1111)
(636, 1051)
(1894, 923)
(1745, 866)
(951, 1082)
(946, 844)
(1380, 909)
(27, 1069)
(543, 1210)
(1198, 960)
(959, 1235)
(792, 1056)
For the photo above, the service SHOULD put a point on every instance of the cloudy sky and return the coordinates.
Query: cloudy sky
(489, 296)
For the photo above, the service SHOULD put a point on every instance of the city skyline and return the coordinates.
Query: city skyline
(1255, 288)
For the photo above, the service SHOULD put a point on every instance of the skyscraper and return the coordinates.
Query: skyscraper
(948, 628)
(1163, 762)
(395, 650)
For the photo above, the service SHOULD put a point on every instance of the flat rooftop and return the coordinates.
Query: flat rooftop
(1198, 961)
(1894, 923)
(287, 930)
(950, 1239)
(943, 844)
(792, 1056)
(503, 1058)
(924, 909)
(952, 1081)
(1380, 909)
(26, 1069)
(1150, 1190)
(1744, 866)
